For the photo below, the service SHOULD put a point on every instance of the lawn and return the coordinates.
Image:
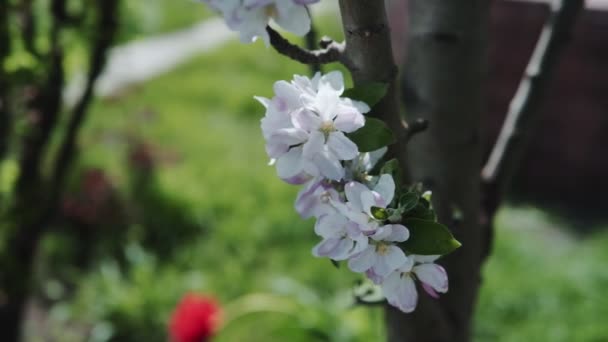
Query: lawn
(247, 246)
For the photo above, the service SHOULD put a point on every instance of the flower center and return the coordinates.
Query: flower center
(326, 128)
(325, 197)
(382, 248)
(271, 11)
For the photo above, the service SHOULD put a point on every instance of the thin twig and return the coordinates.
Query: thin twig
(331, 51)
(524, 107)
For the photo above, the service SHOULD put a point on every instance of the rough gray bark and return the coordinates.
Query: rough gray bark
(369, 58)
(443, 82)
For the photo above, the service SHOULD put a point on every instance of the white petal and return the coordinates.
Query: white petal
(330, 225)
(328, 165)
(432, 275)
(288, 93)
(341, 146)
(325, 247)
(398, 233)
(407, 296)
(353, 191)
(368, 200)
(264, 101)
(335, 80)
(363, 261)
(290, 164)
(348, 119)
(306, 120)
(386, 188)
(326, 102)
(314, 145)
(389, 262)
(292, 18)
(288, 136)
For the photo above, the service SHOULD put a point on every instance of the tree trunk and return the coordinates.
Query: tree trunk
(442, 83)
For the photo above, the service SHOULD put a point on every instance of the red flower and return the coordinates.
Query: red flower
(195, 319)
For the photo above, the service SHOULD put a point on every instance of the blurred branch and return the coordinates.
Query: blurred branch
(5, 117)
(105, 33)
(311, 43)
(524, 107)
(331, 51)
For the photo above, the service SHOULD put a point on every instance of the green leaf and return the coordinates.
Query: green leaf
(392, 168)
(408, 201)
(429, 238)
(422, 210)
(374, 135)
(379, 213)
(370, 93)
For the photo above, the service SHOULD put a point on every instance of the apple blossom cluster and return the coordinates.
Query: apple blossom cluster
(250, 17)
(358, 211)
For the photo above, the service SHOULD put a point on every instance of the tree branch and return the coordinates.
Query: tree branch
(106, 29)
(331, 51)
(524, 107)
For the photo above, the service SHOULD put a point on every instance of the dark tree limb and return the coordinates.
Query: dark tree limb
(331, 51)
(5, 116)
(106, 31)
(524, 108)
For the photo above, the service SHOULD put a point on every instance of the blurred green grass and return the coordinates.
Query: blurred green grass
(541, 283)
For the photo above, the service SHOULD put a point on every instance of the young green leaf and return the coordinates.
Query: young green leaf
(374, 135)
(428, 238)
(379, 213)
(370, 93)
(392, 168)
(408, 201)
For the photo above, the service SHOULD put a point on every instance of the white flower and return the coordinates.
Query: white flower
(399, 287)
(341, 237)
(361, 200)
(250, 17)
(304, 127)
(382, 256)
(316, 198)
(358, 168)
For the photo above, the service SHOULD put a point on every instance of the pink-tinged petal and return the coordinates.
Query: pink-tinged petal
(363, 261)
(307, 199)
(398, 233)
(306, 120)
(432, 275)
(407, 296)
(371, 275)
(325, 247)
(314, 145)
(386, 188)
(341, 146)
(298, 179)
(348, 119)
(382, 233)
(343, 250)
(390, 261)
(287, 93)
(290, 164)
(328, 165)
(428, 289)
(353, 191)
